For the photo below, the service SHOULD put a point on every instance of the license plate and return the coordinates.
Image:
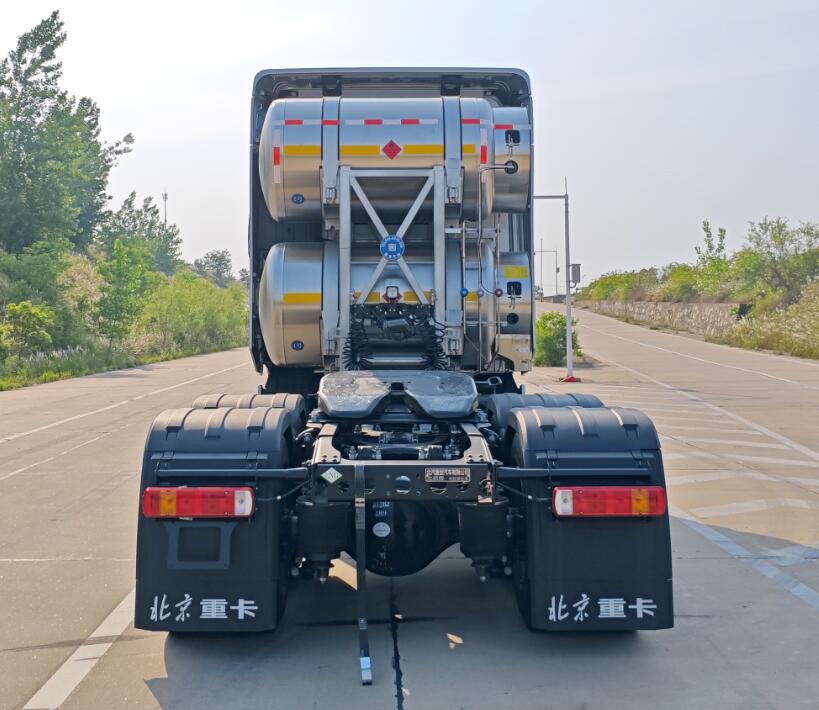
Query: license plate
(446, 475)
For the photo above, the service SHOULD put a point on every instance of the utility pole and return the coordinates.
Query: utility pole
(165, 200)
(569, 351)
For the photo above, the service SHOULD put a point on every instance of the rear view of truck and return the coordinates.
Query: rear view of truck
(391, 310)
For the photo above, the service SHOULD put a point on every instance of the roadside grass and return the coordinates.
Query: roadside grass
(793, 330)
(18, 372)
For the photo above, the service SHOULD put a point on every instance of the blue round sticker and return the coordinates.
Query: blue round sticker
(297, 345)
(297, 199)
(392, 247)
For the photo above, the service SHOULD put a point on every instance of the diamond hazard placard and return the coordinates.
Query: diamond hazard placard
(391, 149)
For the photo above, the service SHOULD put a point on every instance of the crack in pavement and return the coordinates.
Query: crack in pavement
(395, 620)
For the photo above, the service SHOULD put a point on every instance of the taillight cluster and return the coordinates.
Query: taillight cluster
(198, 502)
(608, 501)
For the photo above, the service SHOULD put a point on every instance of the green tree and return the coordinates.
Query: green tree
(145, 223)
(188, 313)
(81, 288)
(53, 164)
(712, 263)
(25, 328)
(126, 279)
(777, 259)
(216, 265)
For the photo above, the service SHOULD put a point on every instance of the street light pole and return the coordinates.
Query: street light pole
(569, 351)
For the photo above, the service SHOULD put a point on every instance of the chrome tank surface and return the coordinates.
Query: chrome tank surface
(515, 305)
(513, 138)
(298, 277)
(290, 303)
(303, 140)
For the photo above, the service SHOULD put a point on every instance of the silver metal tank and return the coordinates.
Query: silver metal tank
(512, 139)
(299, 278)
(303, 138)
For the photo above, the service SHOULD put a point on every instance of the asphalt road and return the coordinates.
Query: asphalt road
(740, 433)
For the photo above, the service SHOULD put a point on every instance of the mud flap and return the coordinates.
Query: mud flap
(214, 574)
(588, 574)
(211, 575)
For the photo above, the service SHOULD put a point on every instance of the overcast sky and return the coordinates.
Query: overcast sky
(659, 114)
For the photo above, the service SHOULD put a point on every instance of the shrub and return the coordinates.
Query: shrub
(189, 313)
(550, 340)
(678, 283)
(621, 286)
(25, 328)
(793, 330)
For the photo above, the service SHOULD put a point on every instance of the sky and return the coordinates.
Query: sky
(659, 114)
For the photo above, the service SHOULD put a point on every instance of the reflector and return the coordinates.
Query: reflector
(197, 502)
(608, 501)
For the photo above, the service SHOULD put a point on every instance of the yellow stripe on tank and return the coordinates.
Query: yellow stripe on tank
(295, 150)
(424, 149)
(358, 150)
(301, 299)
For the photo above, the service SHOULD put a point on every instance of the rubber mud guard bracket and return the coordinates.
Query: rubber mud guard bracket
(361, 577)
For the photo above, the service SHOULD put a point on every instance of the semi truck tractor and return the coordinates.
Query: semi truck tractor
(392, 316)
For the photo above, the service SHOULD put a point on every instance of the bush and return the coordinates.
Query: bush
(621, 286)
(189, 314)
(550, 340)
(25, 328)
(793, 330)
(678, 283)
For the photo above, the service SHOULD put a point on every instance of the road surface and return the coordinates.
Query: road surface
(740, 432)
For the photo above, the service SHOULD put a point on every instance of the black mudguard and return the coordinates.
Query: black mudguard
(216, 575)
(588, 574)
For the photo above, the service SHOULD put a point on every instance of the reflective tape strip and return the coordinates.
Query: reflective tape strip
(302, 299)
(391, 122)
(484, 148)
(354, 150)
(302, 150)
(512, 126)
(298, 122)
(424, 149)
(330, 122)
(475, 122)
(277, 155)
(469, 149)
